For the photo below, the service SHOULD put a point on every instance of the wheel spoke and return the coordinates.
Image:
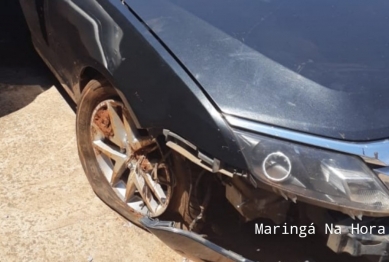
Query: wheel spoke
(145, 192)
(105, 165)
(130, 187)
(130, 134)
(119, 132)
(97, 133)
(118, 170)
(108, 151)
(154, 187)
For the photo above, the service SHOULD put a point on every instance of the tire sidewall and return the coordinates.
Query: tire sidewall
(94, 93)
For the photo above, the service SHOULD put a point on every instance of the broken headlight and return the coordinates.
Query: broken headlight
(322, 177)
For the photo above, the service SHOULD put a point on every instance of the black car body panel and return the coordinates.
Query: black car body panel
(319, 67)
(160, 93)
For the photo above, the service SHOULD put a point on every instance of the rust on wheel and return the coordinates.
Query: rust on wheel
(133, 165)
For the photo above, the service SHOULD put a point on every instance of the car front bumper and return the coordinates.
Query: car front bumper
(189, 244)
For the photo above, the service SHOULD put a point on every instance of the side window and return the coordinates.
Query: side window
(40, 9)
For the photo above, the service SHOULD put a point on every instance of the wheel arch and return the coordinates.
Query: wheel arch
(89, 73)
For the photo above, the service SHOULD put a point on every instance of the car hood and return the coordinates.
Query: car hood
(319, 67)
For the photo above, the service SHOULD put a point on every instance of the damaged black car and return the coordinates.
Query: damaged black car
(274, 109)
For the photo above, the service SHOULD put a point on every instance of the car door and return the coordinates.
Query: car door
(39, 15)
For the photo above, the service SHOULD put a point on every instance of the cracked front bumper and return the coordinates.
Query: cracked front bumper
(189, 244)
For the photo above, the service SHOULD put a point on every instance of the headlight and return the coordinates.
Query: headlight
(334, 180)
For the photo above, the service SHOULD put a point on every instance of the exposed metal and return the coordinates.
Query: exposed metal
(142, 183)
(214, 163)
(195, 159)
(168, 134)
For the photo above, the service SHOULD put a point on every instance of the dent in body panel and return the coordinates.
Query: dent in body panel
(99, 33)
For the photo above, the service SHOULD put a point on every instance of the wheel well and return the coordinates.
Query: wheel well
(90, 73)
(87, 75)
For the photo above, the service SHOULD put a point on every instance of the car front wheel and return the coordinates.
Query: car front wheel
(127, 168)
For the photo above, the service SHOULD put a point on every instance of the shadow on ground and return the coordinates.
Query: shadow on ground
(23, 75)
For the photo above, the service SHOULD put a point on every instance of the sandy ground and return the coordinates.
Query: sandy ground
(48, 211)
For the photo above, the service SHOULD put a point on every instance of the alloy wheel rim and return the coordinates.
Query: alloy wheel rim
(133, 166)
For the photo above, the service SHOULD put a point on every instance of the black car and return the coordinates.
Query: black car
(278, 107)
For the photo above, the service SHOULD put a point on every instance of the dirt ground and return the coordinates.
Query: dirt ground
(48, 211)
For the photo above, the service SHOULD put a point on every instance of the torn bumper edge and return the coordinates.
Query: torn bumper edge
(359, 244)
(189, 244)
